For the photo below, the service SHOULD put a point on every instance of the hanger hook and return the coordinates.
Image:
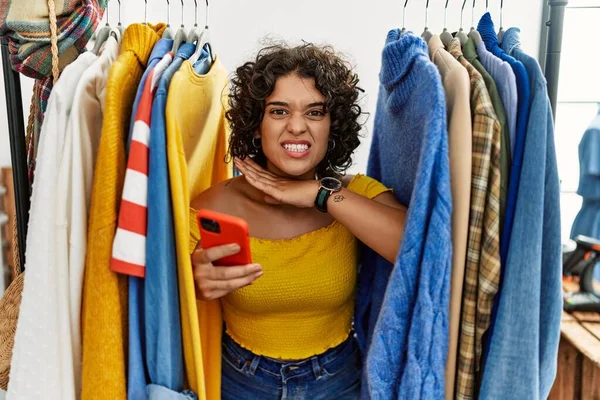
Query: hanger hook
(168, 13)
(501, 11)
(446, 14)
(462, 10)
(486, 5)
(182, 24)
(426, 13)
(404, 14)
(473, 14)
(119, 21)
(206, 21)
(146, 12)
(108, 13)
(195, 13)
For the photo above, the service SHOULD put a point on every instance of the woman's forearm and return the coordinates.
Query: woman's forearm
(377, 225)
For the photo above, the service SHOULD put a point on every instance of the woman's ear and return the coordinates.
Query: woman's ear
(256, 142)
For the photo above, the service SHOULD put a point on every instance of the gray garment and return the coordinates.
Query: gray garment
(506, 83)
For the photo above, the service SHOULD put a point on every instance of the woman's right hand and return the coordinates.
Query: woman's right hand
(213, 282)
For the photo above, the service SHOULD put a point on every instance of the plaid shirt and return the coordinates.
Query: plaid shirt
(482, 272)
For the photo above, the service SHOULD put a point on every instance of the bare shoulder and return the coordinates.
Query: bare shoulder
(220, 197)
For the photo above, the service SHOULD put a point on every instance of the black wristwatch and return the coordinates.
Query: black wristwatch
(328, 186)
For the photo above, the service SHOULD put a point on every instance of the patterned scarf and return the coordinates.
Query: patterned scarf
(26, 25)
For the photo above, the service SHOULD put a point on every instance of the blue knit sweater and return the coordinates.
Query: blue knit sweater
(408, 344)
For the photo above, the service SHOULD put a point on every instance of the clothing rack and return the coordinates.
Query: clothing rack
(554, 47)
(14, 105)
(18, 151)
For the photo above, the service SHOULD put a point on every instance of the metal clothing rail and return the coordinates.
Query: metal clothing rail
(16, 127)
(18, 152)
(554, 47)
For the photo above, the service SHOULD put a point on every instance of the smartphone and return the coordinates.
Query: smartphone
(217, 229)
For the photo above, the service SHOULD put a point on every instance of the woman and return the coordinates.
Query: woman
(294, 126)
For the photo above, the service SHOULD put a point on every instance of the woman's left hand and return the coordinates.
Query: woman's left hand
(299, 193)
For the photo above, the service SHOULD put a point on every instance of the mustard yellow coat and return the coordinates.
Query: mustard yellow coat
(104, 316)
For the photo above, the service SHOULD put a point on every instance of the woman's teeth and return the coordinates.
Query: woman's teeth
(299, 148)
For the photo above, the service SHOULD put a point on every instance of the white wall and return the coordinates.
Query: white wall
(356, 28)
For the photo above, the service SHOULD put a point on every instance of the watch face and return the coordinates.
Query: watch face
(331, 184)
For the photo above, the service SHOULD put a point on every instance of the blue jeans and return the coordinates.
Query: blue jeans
(334, 374)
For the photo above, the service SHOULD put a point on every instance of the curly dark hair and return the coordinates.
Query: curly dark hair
(254, 81)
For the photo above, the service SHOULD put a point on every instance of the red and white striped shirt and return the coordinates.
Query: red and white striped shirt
(129, 245)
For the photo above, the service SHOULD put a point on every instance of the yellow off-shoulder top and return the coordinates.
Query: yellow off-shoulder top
(304, 303)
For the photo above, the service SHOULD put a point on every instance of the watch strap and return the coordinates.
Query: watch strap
(321, 200)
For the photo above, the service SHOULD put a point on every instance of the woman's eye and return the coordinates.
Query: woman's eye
(278, 111)
(316, 113)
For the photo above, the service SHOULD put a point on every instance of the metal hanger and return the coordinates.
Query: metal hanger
(168, 32)
(473, 16)
(446, 36)
(196, 32)
(404, 16)
(203, 40)
(145, 12)
(474, 34)
(104, 33)
(119, 25)
(461, 35)
(181, 35)
(501, 31)
(117, 32)
(426, 35)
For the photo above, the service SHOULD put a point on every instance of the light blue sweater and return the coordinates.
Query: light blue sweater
(407, 353)
(523, 345)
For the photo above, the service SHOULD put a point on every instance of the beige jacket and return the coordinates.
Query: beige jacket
(457, 86)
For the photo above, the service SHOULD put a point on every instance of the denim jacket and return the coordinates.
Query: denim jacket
(523, 345)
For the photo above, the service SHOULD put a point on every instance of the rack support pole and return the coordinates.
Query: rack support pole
(18, 152)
